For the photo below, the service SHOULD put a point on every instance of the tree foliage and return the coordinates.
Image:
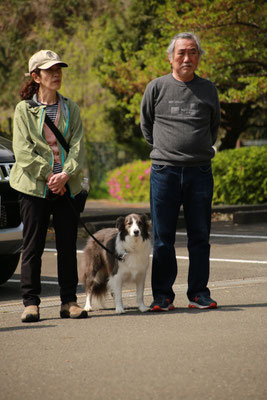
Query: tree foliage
(69, 28)
(115, 47)
(233, 34)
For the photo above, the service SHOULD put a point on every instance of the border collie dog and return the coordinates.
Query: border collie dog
(102, 272)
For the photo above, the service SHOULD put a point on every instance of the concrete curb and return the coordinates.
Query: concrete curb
(250, 217)
(103, 216)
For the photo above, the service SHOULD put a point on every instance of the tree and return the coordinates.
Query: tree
(237, 59)
(233, 34)
(115, 47)
(27, 26)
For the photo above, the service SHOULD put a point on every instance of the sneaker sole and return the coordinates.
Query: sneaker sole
(195, 305)
(82, 315)
(65, 314)
(158, 308)
(31, 318)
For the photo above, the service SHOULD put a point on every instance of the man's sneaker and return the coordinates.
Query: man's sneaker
(162, 304)
(30, 314)
(201, 302)
(72, 310)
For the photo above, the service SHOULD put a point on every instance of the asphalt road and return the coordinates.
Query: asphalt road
(184, 354)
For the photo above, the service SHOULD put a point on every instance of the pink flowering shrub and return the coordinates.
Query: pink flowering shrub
(239, 178)
(130, 182)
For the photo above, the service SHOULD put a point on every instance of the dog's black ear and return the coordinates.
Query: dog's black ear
(144, 219)
(146, 226)
(120, 223)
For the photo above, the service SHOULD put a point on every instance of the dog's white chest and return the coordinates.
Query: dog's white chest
(136, 260)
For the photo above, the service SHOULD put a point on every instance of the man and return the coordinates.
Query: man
(180, 117)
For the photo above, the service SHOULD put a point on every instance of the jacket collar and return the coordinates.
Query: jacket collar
(63, 106)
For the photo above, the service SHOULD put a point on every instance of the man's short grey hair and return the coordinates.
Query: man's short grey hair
(184, 35)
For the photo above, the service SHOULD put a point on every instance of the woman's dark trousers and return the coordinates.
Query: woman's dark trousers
(35, 214)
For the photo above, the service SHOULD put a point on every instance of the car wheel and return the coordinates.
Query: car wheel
(8, 266)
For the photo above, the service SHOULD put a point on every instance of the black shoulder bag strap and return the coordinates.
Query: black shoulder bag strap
(53, 128)
(66, 147)
(57, 133)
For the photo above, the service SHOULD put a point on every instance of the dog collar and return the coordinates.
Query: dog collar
(121, 257)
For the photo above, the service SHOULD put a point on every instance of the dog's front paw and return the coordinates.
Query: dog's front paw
(143, 308)
(120, 310)
(87, 308)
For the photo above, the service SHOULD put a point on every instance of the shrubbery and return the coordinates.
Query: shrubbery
(240, 177)
(130, 182)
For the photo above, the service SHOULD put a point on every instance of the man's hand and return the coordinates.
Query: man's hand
(57, 182)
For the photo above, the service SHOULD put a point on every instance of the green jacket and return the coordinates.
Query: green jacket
(34, 157)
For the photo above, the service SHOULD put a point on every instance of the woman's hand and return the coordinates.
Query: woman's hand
(57, 182)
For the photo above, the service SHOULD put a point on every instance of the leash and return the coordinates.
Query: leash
(119, 257)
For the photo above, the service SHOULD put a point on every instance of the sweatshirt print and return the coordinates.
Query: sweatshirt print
(180, 120)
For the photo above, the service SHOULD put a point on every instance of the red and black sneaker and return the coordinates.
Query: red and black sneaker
(162, 304)
(202, 302)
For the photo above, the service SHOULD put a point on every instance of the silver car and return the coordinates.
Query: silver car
(10, 223)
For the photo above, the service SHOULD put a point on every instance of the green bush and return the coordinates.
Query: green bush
(240, 177)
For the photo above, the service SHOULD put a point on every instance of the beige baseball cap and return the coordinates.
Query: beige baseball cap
(44, 59)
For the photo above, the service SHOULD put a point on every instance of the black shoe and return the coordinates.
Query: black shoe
(202, 302)
(162, 304)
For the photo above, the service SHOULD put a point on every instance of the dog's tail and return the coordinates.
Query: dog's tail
(99, 286)
(97, 266)
(96, 283)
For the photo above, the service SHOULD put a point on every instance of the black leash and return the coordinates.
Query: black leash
(120, 257)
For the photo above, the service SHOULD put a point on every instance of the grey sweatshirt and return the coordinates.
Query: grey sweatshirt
(180, 120)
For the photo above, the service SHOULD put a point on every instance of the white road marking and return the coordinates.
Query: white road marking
(229, 236)
(42, 282)
(232, 260)
(229, 260)
(55, 251)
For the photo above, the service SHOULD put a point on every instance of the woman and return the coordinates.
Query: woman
(42, 166)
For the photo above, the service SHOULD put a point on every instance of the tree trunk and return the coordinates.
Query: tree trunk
(235, 117)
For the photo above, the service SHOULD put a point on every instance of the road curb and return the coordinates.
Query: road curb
(103, 217)
(250, 217)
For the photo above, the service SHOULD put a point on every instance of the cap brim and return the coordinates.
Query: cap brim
(51, 63)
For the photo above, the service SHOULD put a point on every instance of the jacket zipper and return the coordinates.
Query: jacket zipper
(52, 157)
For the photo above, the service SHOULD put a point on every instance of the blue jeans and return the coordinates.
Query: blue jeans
(171, 187)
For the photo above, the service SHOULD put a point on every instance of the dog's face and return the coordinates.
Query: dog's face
(134, 225)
